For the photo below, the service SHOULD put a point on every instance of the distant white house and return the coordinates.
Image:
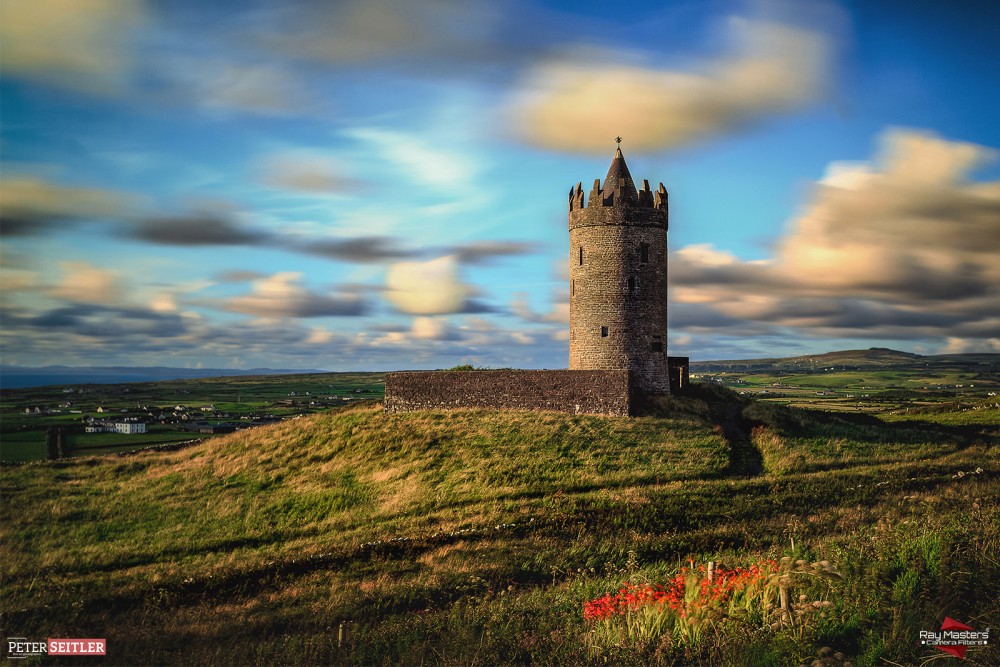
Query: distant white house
(128, 428)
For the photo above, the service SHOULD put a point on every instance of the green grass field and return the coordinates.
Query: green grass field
(863, 389)
(23, 436)
(476, 537)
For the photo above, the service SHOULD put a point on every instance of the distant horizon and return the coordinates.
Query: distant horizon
(26, 377)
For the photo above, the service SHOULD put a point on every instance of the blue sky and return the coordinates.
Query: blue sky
(381, 184)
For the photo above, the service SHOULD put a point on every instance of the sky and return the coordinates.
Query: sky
(382, 184)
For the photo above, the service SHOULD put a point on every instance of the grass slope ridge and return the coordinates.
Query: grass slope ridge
(875, 357)
(475, 536)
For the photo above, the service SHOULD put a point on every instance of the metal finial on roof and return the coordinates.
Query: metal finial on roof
(618, 140)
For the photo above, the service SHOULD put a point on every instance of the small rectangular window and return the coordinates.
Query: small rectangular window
(657, 346)
(604, 332)
(581, 255)
(631, 284)
(572, 288)
(644, 253)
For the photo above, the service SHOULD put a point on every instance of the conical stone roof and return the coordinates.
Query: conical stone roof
(618, 185)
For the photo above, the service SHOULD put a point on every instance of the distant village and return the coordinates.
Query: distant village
(205, 419)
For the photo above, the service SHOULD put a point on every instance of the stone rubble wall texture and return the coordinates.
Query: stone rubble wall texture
(606, 392)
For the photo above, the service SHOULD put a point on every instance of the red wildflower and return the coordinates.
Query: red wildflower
(710, 592)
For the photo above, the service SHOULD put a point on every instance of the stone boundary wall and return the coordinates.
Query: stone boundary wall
(603, 392)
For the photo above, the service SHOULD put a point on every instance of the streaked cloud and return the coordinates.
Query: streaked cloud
(239, 276)
(559, 313)
(901, 247)
(360, 249)
(78, 44)
(198, 230)
(428, 35)
(483, 252)
(308, 173)
(179, 179)
(582, 99)
(104, 324)
(269, 89)
(32, 206)
(283, 295)
(441, 167)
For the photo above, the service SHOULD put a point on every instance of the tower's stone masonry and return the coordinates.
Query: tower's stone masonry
(618, 279)
(617, 318)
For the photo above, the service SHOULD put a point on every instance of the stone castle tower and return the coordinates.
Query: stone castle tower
(618, 279)
(617, 319)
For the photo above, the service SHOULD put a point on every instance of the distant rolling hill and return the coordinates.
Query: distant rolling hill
(875, 357)
(14, 377)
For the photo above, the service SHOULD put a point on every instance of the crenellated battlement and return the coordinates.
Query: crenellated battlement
(618, 190)
(645, 198)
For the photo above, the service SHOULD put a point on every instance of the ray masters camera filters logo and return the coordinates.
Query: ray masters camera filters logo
(955, 637)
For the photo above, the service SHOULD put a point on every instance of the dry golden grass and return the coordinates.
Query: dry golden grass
(475, 536)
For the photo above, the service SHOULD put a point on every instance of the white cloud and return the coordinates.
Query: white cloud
(426, 288)
(903, 246)
(163, 302)
(704, 254)
(83, 282)
(420, 160)
(319, 336)
(580, 101)
(965, 346)
(522, 338)
(430, 328)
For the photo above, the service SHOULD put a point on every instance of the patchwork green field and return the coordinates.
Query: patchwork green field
(27, 415)
(875, 381)
(479, 537)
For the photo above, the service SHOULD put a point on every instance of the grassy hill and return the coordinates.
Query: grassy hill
(357, 537)
(875, 357)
